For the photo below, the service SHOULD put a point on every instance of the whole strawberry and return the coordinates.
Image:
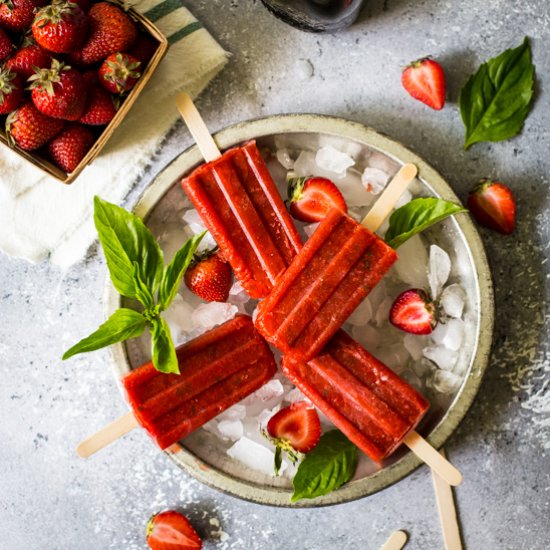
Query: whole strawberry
(17, 15)
(119, 72)
(27, 59)
(144, 48)
(70, 146)
(59, 92)
(60, 27)
(209, 277)
(6, 47)
(424, 80)
(100, 106)
(11, 91)
(30, 129)
(110, 31)
(171, 530)
(493, 205)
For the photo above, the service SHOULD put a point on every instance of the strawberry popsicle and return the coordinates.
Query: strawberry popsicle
(218, 369)
(240, 205)
(334, 271)
(365, 399)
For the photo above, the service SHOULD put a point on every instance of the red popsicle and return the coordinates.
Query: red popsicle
(240, 205)
(365, 399)
(217, 369)
(335, 270)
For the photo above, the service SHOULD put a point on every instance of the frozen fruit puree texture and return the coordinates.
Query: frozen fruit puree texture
(217, 369)
(365, 399)
(240, 205)
(334, 271)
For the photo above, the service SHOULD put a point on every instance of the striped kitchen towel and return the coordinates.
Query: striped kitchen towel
(39, 216)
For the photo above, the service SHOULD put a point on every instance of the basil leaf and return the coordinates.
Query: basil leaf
(143, 294)
(122, 324)
(174, 271)
(331, 464)
(497, 98)
(164, 353)
(417, 215)
(278, 459)
(126, 240)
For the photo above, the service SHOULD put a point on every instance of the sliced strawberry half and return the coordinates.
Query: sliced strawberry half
(424, 80)
(171, 530)
(311, 198)
(413, 311)
(493, 205)
(297, 425)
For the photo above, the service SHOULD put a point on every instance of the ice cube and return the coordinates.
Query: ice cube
(192, 217)
(283, 156)
(377, 294)
(383, 311)
(452, 300)
(270, 390)
(213, 313)
(374, 180)
(254, 455)
(439, 270)
(412, 262)
(395, 357)
(211, 426)
(410, 377)
(330, 159)
(384, 163)
(405, 197)
(178, 317)
(305, 164)
(353, 190)
(362, 314)
(423, 367)
(309, 229)
(449, 334)
(231, 429)
(367, 336)
(237, 295)
(236, 412)
(414, 344)
(444, 382)
(295, 395)
(444, 358)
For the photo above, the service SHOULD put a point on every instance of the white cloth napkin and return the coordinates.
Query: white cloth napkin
(41, 217)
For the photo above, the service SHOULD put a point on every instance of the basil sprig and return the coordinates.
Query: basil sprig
(331, 464)
(136, 267)
(416, 216)
(497, 98)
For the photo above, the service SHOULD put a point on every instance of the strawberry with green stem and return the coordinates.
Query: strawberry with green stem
(295, 430)
(70, 146)
(30, 129)
(17, 15)
(424, 80)
(209, 276)
(59, 92)
(11, 91)
(311, 198)
(119, 73)
(60, 27)
(493, 205)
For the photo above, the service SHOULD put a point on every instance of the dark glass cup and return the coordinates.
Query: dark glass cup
(316, 15)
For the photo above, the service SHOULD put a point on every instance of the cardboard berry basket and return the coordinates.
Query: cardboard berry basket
(36, 158)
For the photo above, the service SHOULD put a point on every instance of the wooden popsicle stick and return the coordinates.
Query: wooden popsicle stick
(107, 435)
(438, 463)
(385, 203)
(197, 127)
(397, 540)
(447, 512)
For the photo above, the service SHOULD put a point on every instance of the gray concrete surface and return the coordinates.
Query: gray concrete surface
(49, 499)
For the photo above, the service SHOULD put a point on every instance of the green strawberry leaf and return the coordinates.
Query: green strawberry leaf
(496, 100)
(416, 216)
(163, 351)
(331, 464)
(174, 271)
(126, 240)
(123, 324)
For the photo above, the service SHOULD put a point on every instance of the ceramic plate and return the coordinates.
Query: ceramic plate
(202, 454)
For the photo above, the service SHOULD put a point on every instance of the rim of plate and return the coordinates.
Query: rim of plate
(324, 124)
